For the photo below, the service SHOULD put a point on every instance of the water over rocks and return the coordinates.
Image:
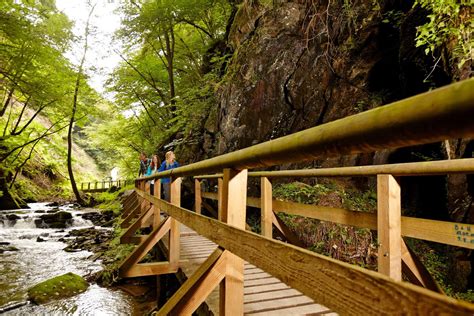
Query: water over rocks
(61, 219)
(90, 239)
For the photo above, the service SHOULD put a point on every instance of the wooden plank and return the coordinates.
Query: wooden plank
(415, 271)
(219, 198)
(156, 209)
(257, 297)
(272, 305)
(136, 225)
(141, 250)
(450, 233)
(174, 246)
(190, 282)
(234, 196)
(128, 220)
(305, 309)
(357, 290)
(264, 281)
(197, 196)
(265, 288)
(285, 231)
(147, 269)
(389, 226)
(266, 207)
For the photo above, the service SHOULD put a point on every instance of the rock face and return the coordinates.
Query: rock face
(299, 64)
(59, 287)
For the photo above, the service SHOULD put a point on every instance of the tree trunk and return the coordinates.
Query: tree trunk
(73, 115)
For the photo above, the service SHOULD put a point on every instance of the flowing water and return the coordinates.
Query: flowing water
(38, 261)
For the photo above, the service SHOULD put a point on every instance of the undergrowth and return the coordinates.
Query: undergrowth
(116, 253)
(345, 243)
(110, 200)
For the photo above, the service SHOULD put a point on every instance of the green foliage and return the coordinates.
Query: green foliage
(346, 243)
(113, 257)
(301, 192)
(110, 200)
(164, 87)
(451, 23)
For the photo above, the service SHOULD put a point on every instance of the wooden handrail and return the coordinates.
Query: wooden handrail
(436, 115)
(422, 168)
(345, 288)
(426, 229)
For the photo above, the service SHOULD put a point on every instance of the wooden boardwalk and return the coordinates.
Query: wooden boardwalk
(263, 294)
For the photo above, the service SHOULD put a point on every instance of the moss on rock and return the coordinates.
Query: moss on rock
(59, 287)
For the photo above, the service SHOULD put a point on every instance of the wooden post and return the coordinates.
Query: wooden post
(156, 210)
(219, 198)
(197, 196)
(88, 186)
(95, 185)
(146, 188)
(389, 227)
(233, 212)
(174, 248)
(266, 207)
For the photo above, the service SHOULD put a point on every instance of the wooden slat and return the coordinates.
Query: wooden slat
(416, 272)
(175, 198)
(234, 195)
(389, 212)
(307, 309)
(142, 249)
(342, 287)
(156, 210)
(190, 283)
(197, 196)
(136, 212)
(266, 207)
(136, 225)
(449, 233)
(268, 306)
(219, 198)
(147, 269)
(285, 231)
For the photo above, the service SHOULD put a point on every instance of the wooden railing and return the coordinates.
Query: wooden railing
(347, 289)
(104, 185)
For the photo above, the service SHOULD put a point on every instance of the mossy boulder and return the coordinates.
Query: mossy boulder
(59, 287)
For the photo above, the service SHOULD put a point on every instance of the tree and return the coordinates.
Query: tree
(161, 84)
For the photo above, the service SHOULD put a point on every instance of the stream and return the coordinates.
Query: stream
(35, 262)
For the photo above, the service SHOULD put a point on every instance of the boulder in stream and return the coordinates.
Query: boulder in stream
(59, 287)
(57, 220)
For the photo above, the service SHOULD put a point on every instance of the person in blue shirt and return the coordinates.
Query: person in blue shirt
(169, 163)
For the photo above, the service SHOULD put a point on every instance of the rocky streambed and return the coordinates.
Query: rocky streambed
(48, 240)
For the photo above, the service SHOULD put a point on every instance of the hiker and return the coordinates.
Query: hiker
(144, 162)
(168, 164)
(153, 168)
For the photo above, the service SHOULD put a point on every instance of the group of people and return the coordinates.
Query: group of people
(150, 166)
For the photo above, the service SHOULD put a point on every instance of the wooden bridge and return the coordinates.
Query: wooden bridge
(102, 186)
(235, 271)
